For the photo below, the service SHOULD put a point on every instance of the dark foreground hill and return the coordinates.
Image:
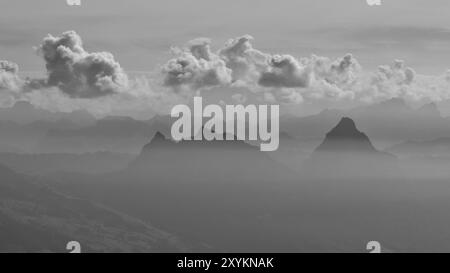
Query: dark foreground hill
(34, 218)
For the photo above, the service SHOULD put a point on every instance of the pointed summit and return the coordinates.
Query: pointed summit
(159, 140)
(346, 128)
(346, 153)
(346, 137)
(161, 124)
(158, 137)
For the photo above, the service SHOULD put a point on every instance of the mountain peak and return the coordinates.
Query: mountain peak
(158, 137)
(346, 128)
(345, 136)
(159, 140)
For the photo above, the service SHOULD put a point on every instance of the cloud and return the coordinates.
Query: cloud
(239, 98)
(78, 73)
(342, 71)
(396, 73)
(196, 67)
(78, 79)
(238, 63)
(245, 62)
(284, 71)
(141, 100)
(9, 79)
(286, 78)
(10, 83)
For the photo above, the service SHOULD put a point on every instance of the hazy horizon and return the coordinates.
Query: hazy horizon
(87, 154)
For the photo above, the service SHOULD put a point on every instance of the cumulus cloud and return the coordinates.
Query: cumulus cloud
(286, 79)
(447, 75)
(78, 79)
(142, 100)
(396, 73)
(285, 71)
(238, 63)
(342, 71)
(78, 73)
(239, 98)
(196, 67)
(9, 79)
(245, 62)
(10, 83)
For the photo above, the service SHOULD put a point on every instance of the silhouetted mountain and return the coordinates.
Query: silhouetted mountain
(34, 218)
(161, 124)
(387, 122)
(195, 189)
(348, 153)
(345, 137)
(207, 160)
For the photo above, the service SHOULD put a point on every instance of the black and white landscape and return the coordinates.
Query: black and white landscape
(87, 155)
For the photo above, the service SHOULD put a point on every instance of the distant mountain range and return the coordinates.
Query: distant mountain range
(27, 129)
(387, 123)
(22, 112)
(229, 196)
(432, 148)
(223, 195)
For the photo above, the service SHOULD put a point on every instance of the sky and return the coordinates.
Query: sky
(141, 33)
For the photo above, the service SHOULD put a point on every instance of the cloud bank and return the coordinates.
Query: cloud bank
(78, 73)
(284, 78)
(78, 79)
